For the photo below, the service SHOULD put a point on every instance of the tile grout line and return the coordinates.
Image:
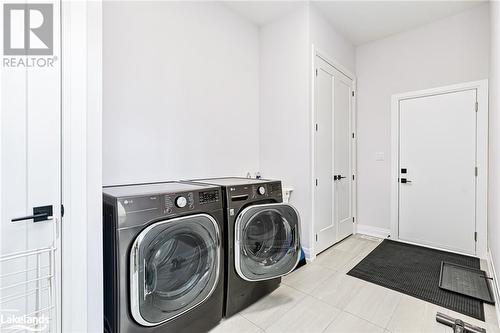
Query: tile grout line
(394, 312)
(368, 321)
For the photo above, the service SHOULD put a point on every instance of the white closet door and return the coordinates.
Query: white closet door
(332, 156)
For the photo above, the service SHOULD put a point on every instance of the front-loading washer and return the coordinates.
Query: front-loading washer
(262, 239)
(163, 257)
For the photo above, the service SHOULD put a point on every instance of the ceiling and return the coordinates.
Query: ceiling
(263, 12)
(364, 21)
(359, 21)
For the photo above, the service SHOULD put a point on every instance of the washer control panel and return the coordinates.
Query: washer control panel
(179, 202)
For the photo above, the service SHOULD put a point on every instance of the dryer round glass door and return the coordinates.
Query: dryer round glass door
(267, 243)
(174, 266)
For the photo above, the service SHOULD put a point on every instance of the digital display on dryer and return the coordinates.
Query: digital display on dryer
(209, 197)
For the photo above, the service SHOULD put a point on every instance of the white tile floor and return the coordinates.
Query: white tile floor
(320, 297)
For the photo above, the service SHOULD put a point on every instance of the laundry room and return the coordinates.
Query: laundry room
(250, 166)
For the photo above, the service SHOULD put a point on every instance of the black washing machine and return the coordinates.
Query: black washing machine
(262, 239)
(163, 258)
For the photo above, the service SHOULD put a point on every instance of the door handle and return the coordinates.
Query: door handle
(338, 177)
(41, 213)
(405, 181)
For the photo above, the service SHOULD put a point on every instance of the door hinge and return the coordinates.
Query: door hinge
(477, 106)
(316, 126)
(316, 237)
(353, 219)
(353, 93)
(316, 72)
(353, 135)
(476, 172)
(316, 181)
(475, 236)
(62, 210)
(353, 177)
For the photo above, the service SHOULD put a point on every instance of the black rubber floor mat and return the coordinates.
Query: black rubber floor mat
(465, 280)
(414, 270)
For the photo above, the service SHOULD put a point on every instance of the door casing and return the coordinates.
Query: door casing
(482, 156)
(311, 252)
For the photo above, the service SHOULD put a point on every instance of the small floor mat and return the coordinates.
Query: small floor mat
(465, 280)
(415, 270)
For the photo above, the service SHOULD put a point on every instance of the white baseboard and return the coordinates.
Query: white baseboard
(491, 268)
(307, 254)
(372, 231)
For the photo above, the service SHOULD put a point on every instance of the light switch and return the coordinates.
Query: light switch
(379, 156)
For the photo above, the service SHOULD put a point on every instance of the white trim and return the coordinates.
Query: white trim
(82, 170)
(482, 155)
(372, 231)
(307, 254)
(334, 63)
(496, 292)
(311, 255)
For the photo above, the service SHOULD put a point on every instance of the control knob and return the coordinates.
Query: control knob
(261, 190)
(181, 202)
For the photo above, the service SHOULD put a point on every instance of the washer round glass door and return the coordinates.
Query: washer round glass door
(174, 266)
(267, 243)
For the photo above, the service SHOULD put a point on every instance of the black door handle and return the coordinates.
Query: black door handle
(339, 177)
(405, 181)
(29, 217)
(42, 213)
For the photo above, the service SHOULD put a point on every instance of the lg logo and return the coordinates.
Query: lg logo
(28, 29)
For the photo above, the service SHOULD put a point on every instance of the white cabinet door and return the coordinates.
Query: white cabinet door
(437, 160)
(332, 156)
(30, 153)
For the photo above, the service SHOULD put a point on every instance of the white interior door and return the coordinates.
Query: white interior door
(30, 153)
(332, 156)
(437, 161)
(343, 157)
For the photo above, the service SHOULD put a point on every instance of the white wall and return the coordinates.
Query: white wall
(494, 162)
(451, 50)
(329, 42)
(285, 105)
(284, 108)
(180, 92)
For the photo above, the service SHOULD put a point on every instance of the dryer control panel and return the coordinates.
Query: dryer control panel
(207, 197)
(180, 202)
(241, 194)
